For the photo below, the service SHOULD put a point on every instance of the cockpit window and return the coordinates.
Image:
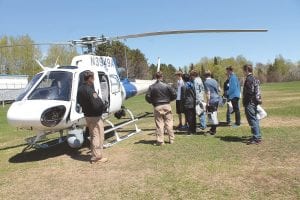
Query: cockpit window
(56, 85)
(29, 86)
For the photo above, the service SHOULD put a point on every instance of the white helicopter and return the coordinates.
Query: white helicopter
(49, 102)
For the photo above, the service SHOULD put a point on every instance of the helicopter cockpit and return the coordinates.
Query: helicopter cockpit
(55, 85)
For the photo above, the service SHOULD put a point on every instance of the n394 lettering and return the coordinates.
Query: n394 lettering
(101, 61)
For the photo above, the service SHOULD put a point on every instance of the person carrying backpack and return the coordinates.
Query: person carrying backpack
(252, 98)
(188, 98)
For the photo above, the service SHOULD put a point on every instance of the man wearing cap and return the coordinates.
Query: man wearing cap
(234, 93)
(160, 95)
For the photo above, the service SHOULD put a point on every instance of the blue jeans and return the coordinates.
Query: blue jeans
(203, 120)
(251, 111)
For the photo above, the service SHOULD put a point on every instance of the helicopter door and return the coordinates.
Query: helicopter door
(76, 113)
(115, 93)
(104, 87)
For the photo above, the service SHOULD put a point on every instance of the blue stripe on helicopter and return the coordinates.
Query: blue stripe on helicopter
(130, 89)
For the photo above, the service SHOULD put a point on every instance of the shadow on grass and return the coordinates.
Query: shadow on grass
(148, 142)
(179, 132)
(51, 152)
(223, 124)
(242, 139)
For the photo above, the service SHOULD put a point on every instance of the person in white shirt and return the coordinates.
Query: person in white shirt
(179, 106)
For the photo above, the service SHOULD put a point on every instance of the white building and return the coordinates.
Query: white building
(11, 86)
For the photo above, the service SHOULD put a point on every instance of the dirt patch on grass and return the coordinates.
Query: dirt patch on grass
(66, 177)
(280, 122)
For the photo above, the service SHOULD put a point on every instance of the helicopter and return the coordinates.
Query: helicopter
(49, 104)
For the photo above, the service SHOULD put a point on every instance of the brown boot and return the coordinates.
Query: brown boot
(98, 160)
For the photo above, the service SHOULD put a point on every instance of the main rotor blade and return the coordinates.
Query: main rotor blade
(35, 44)
(148, 34)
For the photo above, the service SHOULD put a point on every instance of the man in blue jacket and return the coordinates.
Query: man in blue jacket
(234, 93)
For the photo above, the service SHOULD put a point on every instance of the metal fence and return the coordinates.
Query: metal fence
(9, 94)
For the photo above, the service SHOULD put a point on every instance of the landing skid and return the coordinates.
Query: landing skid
(41, 142)
(115, 128)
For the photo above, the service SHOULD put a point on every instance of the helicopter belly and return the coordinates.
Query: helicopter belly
(39, 114)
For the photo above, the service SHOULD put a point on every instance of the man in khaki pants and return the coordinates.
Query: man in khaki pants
(92, 107)
(160, 95)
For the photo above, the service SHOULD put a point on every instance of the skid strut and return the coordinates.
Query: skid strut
(115, 128)
(34, 142)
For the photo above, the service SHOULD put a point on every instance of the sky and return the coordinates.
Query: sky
(64, 20)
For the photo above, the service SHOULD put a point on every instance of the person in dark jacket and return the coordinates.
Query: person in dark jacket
(251, 98)
(225, 95)
(188, 98)
(160, 95)
(92, 107)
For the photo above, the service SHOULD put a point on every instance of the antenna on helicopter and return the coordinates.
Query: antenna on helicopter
(40, 64)
(158, 64)
(56, 61)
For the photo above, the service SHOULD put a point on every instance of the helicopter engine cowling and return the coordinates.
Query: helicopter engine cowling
(75, 138)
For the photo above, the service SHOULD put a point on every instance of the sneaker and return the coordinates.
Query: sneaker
(212, 132)
(235, 125)
(185, 127)
(158, 143)
(98, 160)
(179, 126)
(254, 141)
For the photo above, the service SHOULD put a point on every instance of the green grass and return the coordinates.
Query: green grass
(195, 167)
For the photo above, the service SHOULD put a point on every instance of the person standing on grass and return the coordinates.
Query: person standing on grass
(212, 90)
(252, 98)
(234, 93)
(179, 108)
(188, 97)
(160, 95)
(93, 107)
(225, 95)
(199, 92)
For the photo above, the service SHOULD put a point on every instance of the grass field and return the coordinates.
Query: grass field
(195, 167)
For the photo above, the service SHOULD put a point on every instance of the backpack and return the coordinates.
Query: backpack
(98, 105)
(258, 99)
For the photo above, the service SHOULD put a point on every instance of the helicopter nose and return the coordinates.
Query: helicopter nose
(36, 114)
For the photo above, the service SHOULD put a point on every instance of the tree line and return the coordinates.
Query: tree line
(279, 70)
(21, 54)
(20, 59)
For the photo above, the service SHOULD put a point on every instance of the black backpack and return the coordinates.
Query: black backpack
(97, 105)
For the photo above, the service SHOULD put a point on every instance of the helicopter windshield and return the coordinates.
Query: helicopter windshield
(56, 85)
(29, 86)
